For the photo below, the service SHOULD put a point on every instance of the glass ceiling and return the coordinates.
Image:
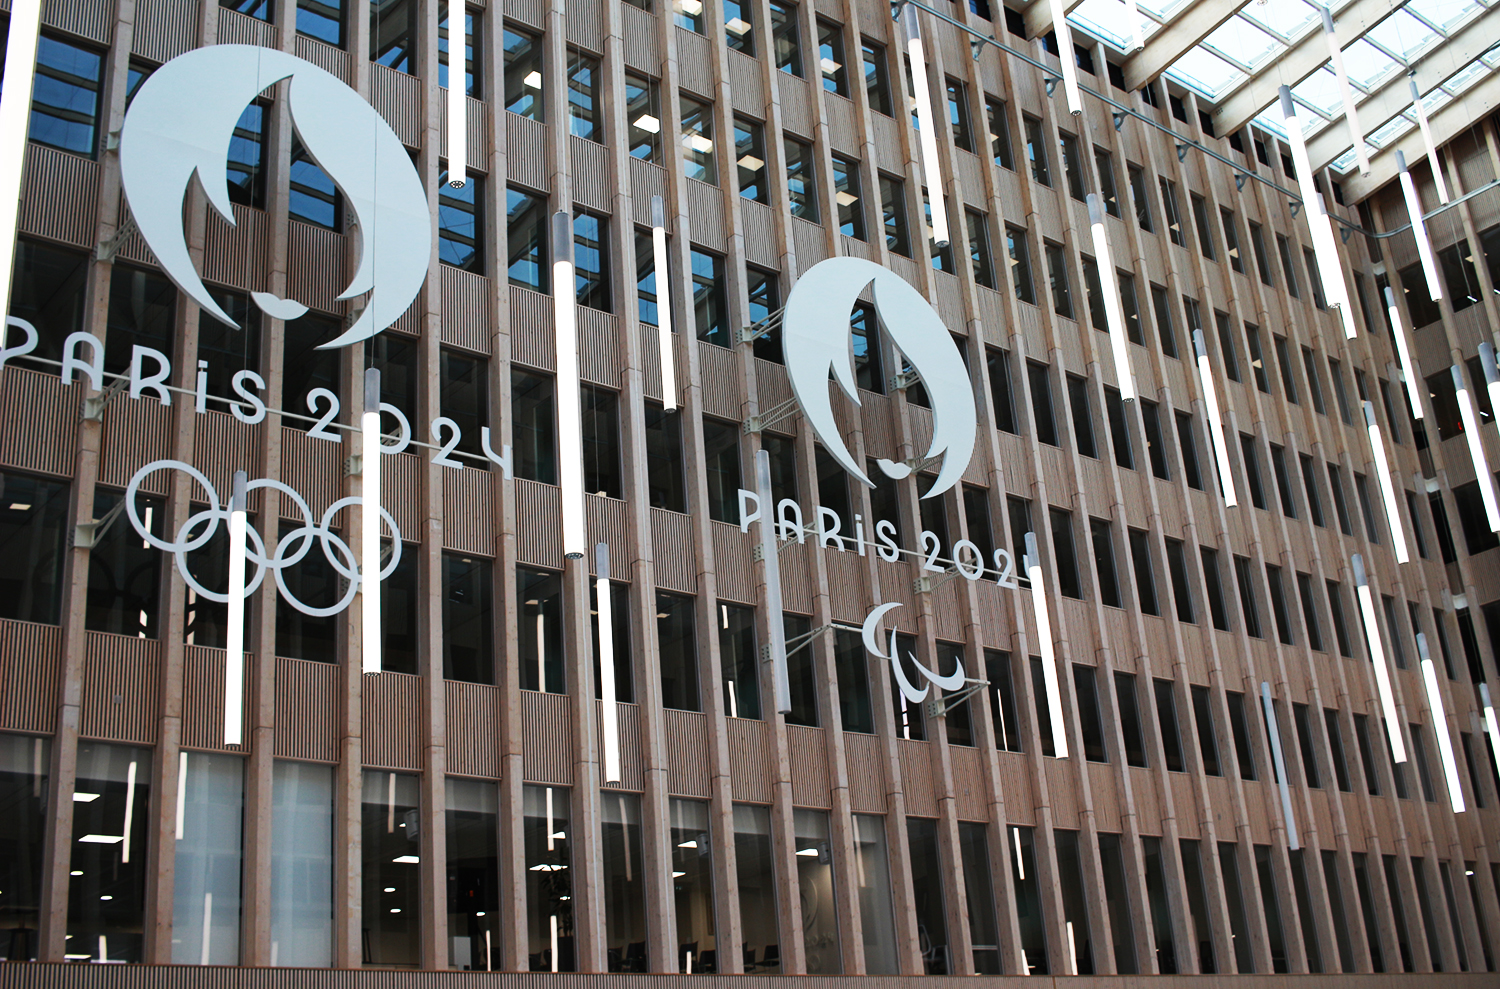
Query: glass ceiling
(1262, 30)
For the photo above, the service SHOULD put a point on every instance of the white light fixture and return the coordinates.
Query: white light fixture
(1336, 59)
(1045, 647)
(769, 553)
(1419, 229)
(1065, 56)
(84, 798)
(932, 172)
(1020, 860)
(1278, 758)
(807, 852)
(406, 860)
(609, 709)
(369, 521)
(234, 636)
(533, 80)
(1325, 247)
(1387, 489)
(1215, 426)
(458, 113)
(1109, 284)
(15, 122)
(1377, 658)
(102, 839)
(1137, 38)
(1491, 370)
(130, 774)
(663, 303)
(1439, 715)
(1403, 350)
(1476, 447)
(1491, 724)
(569, 396)
(648, 123)
(1426, 129)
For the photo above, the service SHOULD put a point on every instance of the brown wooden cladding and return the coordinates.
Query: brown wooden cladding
(236, 28)
(468, 310)
(865, 755)
(29, 669)
(547, 733)
(808, 750)
(121, 688)
(334, 60)
(472, 710)
(203, 699)
(538, 531)
(527, 155)
(30, 404)
(687, 740)
(392, 707)
(235, 255)
(468, 509)
(632, 771)
(591, 174)
(307, 709)
(750, 767)
(672, 545)
(59, 196)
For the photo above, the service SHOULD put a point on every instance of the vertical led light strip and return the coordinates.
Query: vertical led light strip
(569, 396)
(1133, 15)
(663, 303)
(1336, 59)
(1279, 759)
(932, 171)
(1114, 315)
(1325, 248)
(1044, 645)
(769, 554)
(1426, 129)
(234, 636)
(1439, 715)
(1215, 426)
(609, 709)
(1377, 657)
(369, 522)
(1491, 373)
(1476, 447)
(1419, 228)
(1387, 489)
(15, 119)
(1491, 724)
(458, 106)
(1066, 56)
(1403, 350)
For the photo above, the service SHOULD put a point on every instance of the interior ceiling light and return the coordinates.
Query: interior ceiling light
(1278, 760)
(1109, 284)
(1043, 618)
(1419, 229)
(1325, 249)
(1403, 352)
(569, 393)
(609, 709)
(1377, 659)
(1336, 59)
(369, 522)
(1426, 129)
(1215, 424)
(663, 303)
(234, 635)
(932, 173)
(1439, 718)
(1482, 473)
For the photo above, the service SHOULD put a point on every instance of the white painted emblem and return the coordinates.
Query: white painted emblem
(181, 122)
(871, 633)
(816, 338)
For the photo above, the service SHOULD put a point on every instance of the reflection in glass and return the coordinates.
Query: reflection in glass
(678, 650)
(984, 934)
(390, 847)
(872, 872)
(927, 887)
(301, 864)
(472, 821)
(549, 880)
(1028, 901)
(739, 660)
(800, 673)
(23, 794)
(539, 607)
(624, 887)
(693, 886)
(1075, 913)
(619, 603)
(107, 893)
(820, 929)
(206, 898)
(755, 870)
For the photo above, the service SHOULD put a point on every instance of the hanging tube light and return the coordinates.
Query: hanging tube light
(1439, 715)
(458, 102)
(234, 635)
(1325, 247)
(609, 710)
(1278, 759)
(1491, 724)
(1114, 315)
(1044, 645)
(1476, 447)
(770, 556)
(569, 395)
(1419, 229)
(1215, 425)
(1403, 350)
(1066, 57)
(369, 522)
(663, 303)
(1491, 373)
(1387, 488)
(1377, 657)
(1426, 129)
(1336, 59)
(15, 122)
(1133, 15)
(932, 172)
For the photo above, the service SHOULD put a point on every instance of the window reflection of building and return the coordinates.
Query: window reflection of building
(549, 880)
(755, 873)
(820, 926)
(473, 827)
(390, 872)
(693, 887)
(624, 886)
(872, 873)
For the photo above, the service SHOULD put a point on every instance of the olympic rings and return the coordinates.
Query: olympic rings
(289, 550)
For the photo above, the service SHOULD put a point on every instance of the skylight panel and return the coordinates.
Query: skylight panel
(1288, 18)
(1404, 35)
(1367, 65)
(1204, 71)
(1108, 20)
(1242, 42)
(1446, 14)
(1320, 92)
(1466, 76)
(1391, 131)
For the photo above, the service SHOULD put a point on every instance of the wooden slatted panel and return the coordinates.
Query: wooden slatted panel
(796, 105)
(843, 125)
(857, 248)
(746, 87)
(236, 28)
(527, 159)
(895, 585)
(723, 385)
(695, 60)
(468, 504)
(398, 98)
(1016, 786)
(235, 255)
(875, 421)
(473, 720)
(687, 753)
(135, 434)
(970, 788)
(203, 700)
(950, 303)
(222, 445)
(40, 413)
(467, 311)
(796, 578)
(59, 196)
(307, 710)
(87, 18)
(164, 29)
(809, 241)
(533, 341)
(400, 493)
(530, 12)
(591, 181)
(750, 768)
(632, 773)
(916, 777)
(945, 604)
(313, 468)
(672, 549)
(809, 757)
(585, 24)
(773, 387)
(647, 180)
(848, 584)
(759, 224)
(598, 348)
(547, 738)
(30, 665)
(538, 524)
(335, 60)
(732, 563)
(316, 272)
(706, 214)
(866, 760)
(650, 358)
(121, 687)
(609, 522)
(392, 718)
(640, 39)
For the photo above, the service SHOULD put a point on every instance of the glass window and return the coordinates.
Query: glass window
(1104, 167)
(591, 261)
(1205, 232)
(1020, 264)
(1057, 277)
(1036, 149)
(784, 38)
(65, 97)
(142, 307)
(1240, 732)
(1041, 402)
(848, 196)
(1074, 892)
(1063, 556)
(709, 315)
(1310, 486)
(1262, 258)
(247, 158)
(1161, 305)
(111, 831)
(1156, 443)
(526, 226)
(664, 482)
(979, 248)
(688, 15)
(678, 650)
(698, 141)
(1211, 577)
(539, 611)
(472, 829)
(1227, 349)
(1028, 901)
(533, 427)
(34, 537)
(547, 834)
(1336, 902)
(1203, 718)
(1177, 565)
(1341, 507)
(643, 110)
(958, 115)
(927, 887)
(468, 623)
(1166, 717)
(471, 67)
(1173, 212)
(1112, 870)
(619, 597)
(750, 156)
(461, 223)
(1090, 722)
(1104, 562)
(800, 672)
(877, 77)
(24, 763)
(739, 32)
(1192, 874)
(999, 133)
(1145, 579)
(123, 571)
(722, 458)
(755, 868)
(851, 668)
(1229, 869)
(1139, 199)
(322, 20)
(48, 290)
(831, 57)
(583, 96)
(1003, 709)
(1231, 239)
(1119, 429)
(693, 886)
(523, 73)
(1001, 390)
(801, 179)
(315, 582)
(739, 660)
(820, 940)
(893, 210)
(1072, 164)
(1245, 581)
(873, 875)
(464, 398)
(302, 864)
(1161, 914)
(393, 34)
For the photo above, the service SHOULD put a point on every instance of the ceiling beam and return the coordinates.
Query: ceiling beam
(1393, 98)
(1039, 16)
(1175, 38)
(1451, 120)
(1298, 62)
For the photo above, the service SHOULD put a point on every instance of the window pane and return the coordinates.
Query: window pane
(302, 864)
(784, 38)
(831, 57)
(591, 261)
(24, 763)
(754, 863)
(393, 33)
(33, 534)
(533, 429)
(1070, 883)
(698, 141)
(847, 194)
(549, 880)
(472, 825)
(390, 876)
(526, 224)
(539, 610)
(740, 660)
(815, 882)
(693, 885)
(322, 20)
(722, 458)
(65, 96)
(1028, 901)
(927, 887)
(679, 652)
(643, 110)
(109, 851)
